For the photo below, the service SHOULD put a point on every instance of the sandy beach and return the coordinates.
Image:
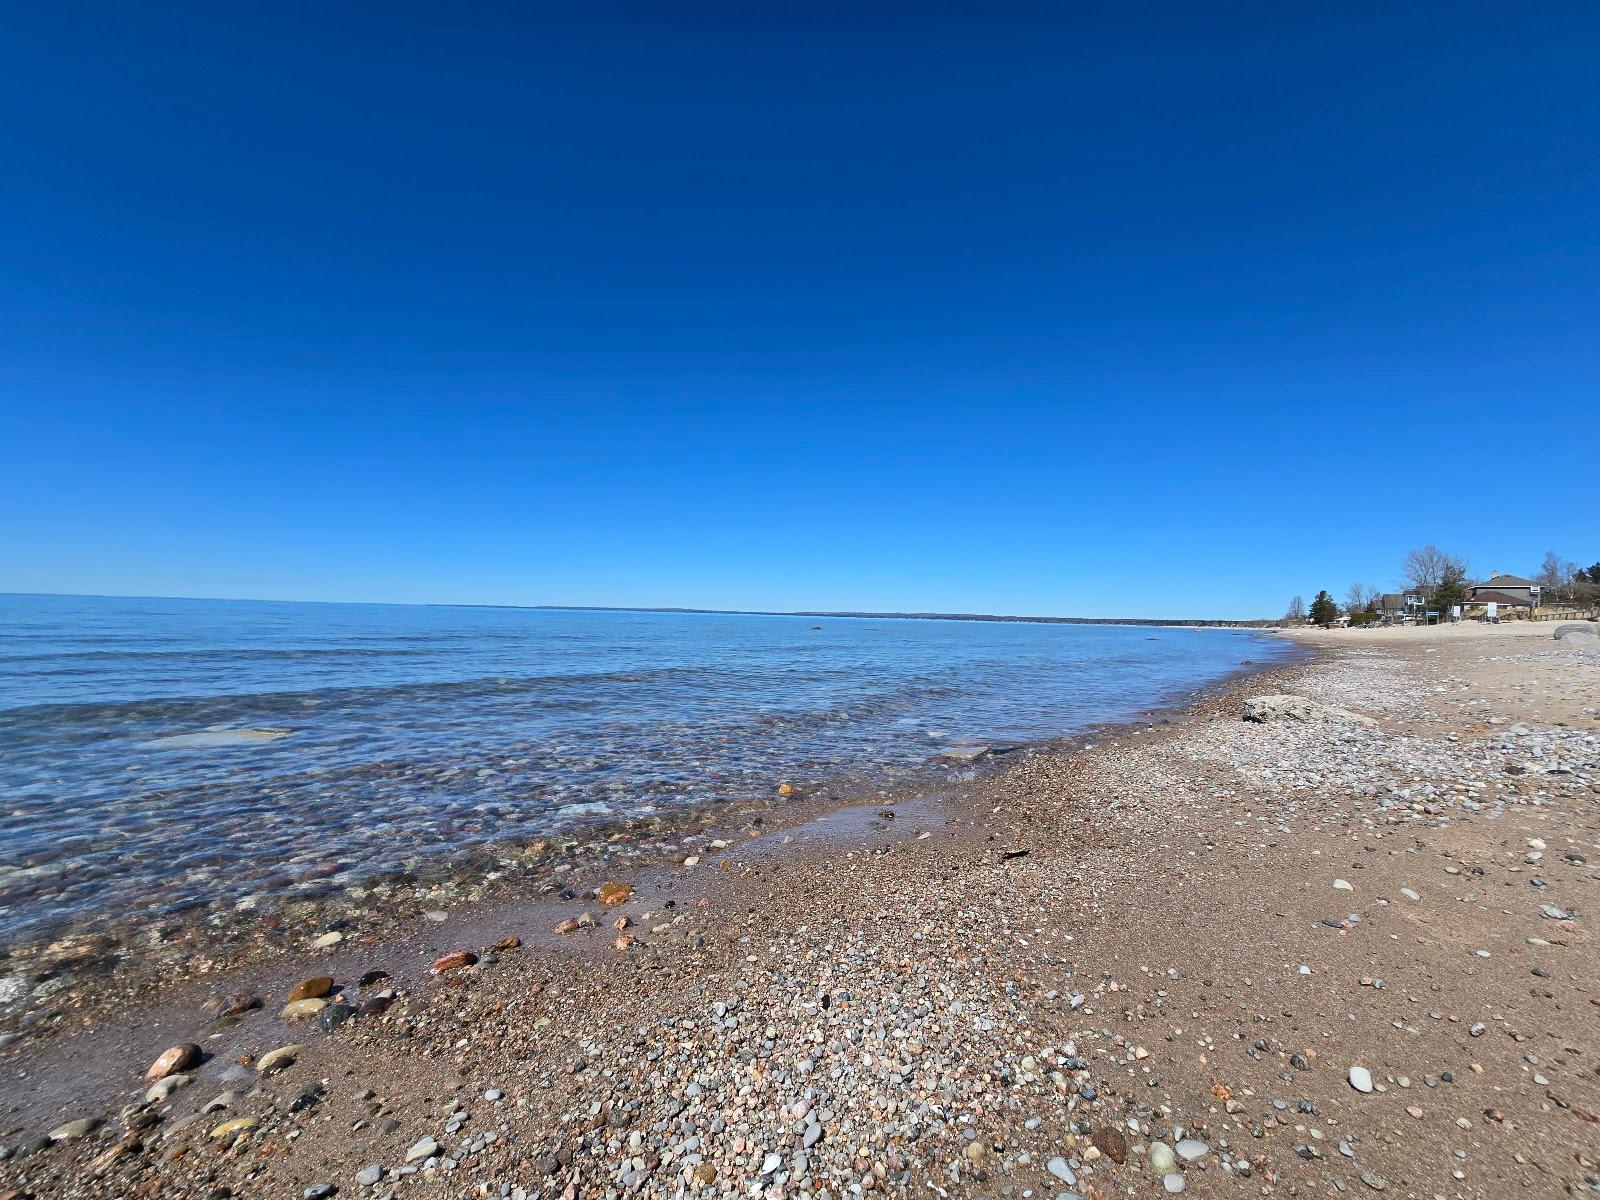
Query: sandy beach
(1348, 954)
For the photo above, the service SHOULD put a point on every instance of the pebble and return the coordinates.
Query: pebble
(163, 1088)
(368, 1176)
(233, 1127)
(73, 1130)
(311, 989)
(1361, 1079)
(426, 1148)
(453, 962)
(178, 1058)
(277, 1060)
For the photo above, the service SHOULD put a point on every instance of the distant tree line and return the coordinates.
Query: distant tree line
(1441, 580)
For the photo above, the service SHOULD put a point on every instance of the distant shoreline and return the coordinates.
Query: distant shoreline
(1162, 622)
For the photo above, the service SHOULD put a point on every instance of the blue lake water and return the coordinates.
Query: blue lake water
(175, 754)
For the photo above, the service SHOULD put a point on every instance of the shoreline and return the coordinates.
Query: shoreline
(80, 961)
(1113, 835)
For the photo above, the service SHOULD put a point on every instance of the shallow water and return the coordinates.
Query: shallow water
(161, 756)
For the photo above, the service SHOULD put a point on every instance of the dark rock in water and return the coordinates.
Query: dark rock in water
(334, 1016)
(372, 977)
(236, 1004)
(375, 1006)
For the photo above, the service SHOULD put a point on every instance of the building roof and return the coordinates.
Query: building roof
(1483, 596)
(1505, 581)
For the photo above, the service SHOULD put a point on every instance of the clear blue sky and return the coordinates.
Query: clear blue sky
(1076, 310)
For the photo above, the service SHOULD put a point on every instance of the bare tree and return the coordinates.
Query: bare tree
(1297, 611)
(1425, 569)
(1374, 598)
(1555, 577)
(1356, 598)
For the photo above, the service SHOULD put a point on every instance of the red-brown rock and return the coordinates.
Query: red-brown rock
(177, 1058)
(454, 962)
(314, 988)
(1112, 1144)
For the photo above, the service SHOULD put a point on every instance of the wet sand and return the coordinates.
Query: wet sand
(1037, 982)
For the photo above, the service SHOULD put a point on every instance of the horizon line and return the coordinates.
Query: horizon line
(861, 614)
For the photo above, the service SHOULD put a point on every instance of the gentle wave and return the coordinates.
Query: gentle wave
(168, 756)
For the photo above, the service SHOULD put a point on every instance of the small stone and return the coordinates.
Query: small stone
(236, 1004)
(299, 1010)
(426, 1148)
(163, 1088)
(368, 1176)
(1361, 1079)
(326, 940)
(334, 1016)
(613, 894)
(311, 989)
(318, 1191)
(1173, 1183)
(570, 925)
(453, 962)
(177, 1058)
(1110, 1142)
(233, 1127)
(277, 1060)
(1191, 1149)
(1162, 1160)
(1061, 1170)
(1343, 885)
(73, 1130)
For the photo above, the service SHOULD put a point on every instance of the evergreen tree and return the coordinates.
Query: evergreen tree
(1452, 589)
(1323, 609)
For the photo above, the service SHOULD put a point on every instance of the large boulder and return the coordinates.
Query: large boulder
(1266, 709)
(1578, 631)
